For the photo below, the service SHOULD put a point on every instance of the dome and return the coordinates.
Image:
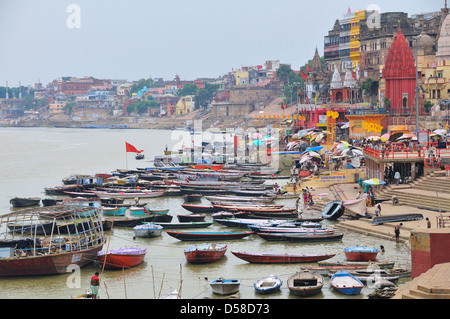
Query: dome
(349, 81)
(443, 45)
(425, 41)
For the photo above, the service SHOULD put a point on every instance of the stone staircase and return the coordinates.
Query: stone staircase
(431, 191)
(433, 284)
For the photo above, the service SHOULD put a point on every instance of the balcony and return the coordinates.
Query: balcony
(435, 81)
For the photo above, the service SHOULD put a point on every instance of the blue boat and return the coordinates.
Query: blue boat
(114, 211)
(333, 210)
(268, 285)
(346, 283)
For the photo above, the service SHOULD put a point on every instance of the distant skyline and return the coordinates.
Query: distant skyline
(46, 39)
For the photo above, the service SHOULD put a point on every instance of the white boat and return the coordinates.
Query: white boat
(225, 286)
(148, 230)
(268, 284)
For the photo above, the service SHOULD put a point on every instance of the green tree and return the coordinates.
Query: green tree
(188, 89)
(428, 105)
(205, 95)
(141, 107)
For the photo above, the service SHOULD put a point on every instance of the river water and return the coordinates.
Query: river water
(34, 158)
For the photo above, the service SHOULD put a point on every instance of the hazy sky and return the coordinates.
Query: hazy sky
(133, 39)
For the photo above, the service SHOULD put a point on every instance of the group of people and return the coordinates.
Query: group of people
(305, 199)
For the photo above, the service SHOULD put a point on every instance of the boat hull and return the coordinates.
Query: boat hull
(268, 285)
(187, 236)
(119, 261)
(305, 283)
(273, 258)
(204, 255)
(360, 253)
(346, 283)
(225, 286)
(48, 264)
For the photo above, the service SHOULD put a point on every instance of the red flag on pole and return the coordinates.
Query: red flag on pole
(131, 148)
(282, 106)
(354, 75)
(304, 76)
(308, 68)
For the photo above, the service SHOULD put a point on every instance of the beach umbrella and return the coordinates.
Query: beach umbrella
(313, 148)
(440, 132)
(374, 181)
(305, 158)
(320, 137)
(394, 137)
(346, 125)
(407, 137)
(385, 137)
(353, 152)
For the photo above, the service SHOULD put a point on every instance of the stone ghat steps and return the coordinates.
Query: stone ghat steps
(433, 284)
(431, 191)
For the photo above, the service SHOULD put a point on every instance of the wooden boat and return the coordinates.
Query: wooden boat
(280, 258)
(246, 222)
(246, 199)
(198, 209)
(184, 225)
(253, 192)
(121, 258)
(124, 221)
(225, 286)
(191, 218)
(192, 198)
(268, 285)
(206, 253)
(137, 210)
(148, 230)
(208, 235)
(49, 201)
(244, 207)
(80, 194)
(60, 190)
(379, 220)
(346, 283)
(305, 283)
(31, 254)
(24, 202)
(333, 210)
(114, 211)
(297, 238)
(361, 253)
(293, 230)
(364, 264)
(141, 194)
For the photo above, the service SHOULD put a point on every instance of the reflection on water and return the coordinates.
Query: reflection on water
(40, 157)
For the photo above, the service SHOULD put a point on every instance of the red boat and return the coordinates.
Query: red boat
(206, 166)
(361, 253)
(279, 258)
(122, 258)
(206, 253)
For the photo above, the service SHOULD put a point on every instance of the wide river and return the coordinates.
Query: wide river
(34, 158)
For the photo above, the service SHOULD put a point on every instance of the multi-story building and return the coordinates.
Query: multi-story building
(355, 37)
(185, 105)
(331, 47)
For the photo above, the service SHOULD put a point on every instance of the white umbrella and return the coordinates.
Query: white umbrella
(440, 132)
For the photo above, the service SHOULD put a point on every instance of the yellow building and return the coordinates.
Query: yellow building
(354, 36)
(241, 77)
(57, 107)
(185, 105)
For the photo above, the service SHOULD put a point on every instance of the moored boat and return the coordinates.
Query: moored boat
(199, 209)
(208, 235)
(223, 286)
(184, 225)
(191, 218)
(333, 210)
(126, 257)
(305, 283)
(28, 253)
(114, 211)
(361, 253)
(280, 258)
(296, 238)
(147, 230)
(346, 283)
(206, 253)
(268, 284)
(24, 201)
